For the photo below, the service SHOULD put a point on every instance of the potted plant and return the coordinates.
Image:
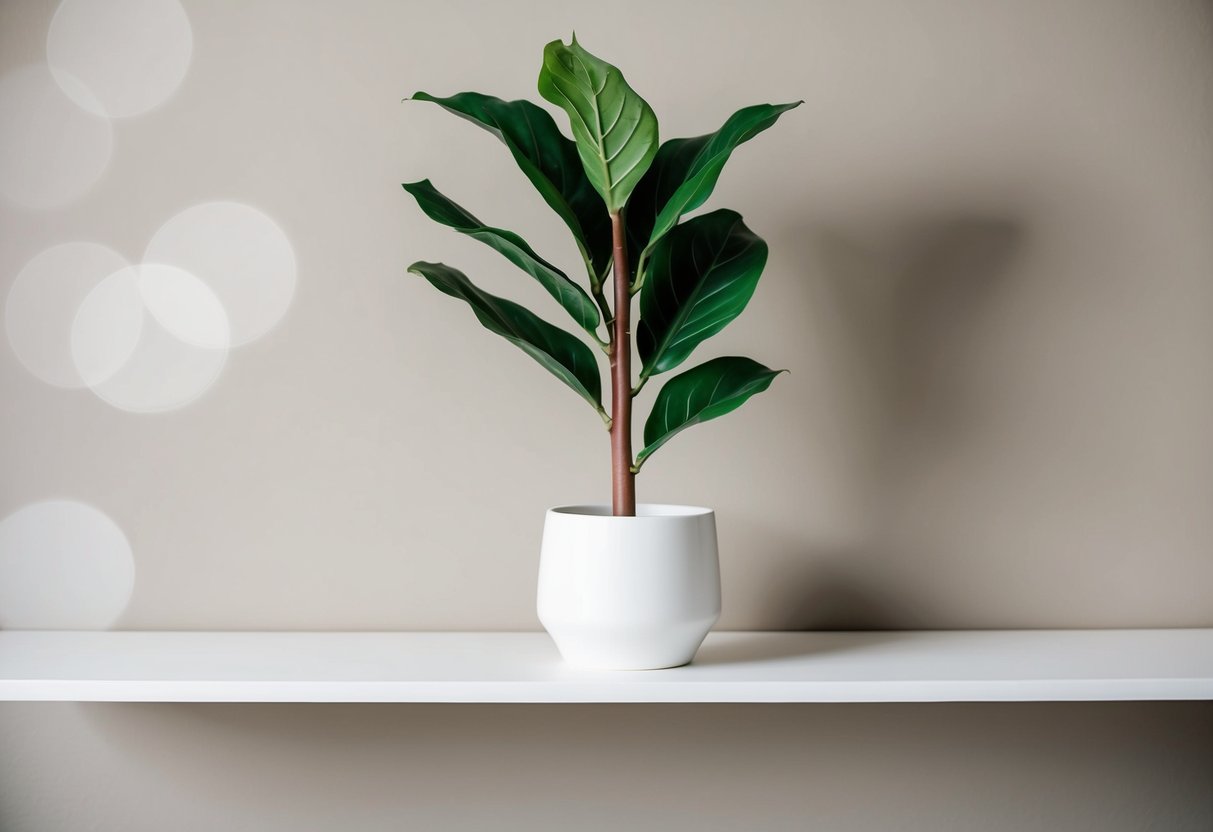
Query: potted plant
(624, 586)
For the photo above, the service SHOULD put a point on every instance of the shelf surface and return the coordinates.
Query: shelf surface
(925, 666)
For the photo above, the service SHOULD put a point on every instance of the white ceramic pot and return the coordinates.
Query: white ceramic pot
(629, 593)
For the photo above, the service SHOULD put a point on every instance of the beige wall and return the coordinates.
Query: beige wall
(1058, 767)
(990, 277)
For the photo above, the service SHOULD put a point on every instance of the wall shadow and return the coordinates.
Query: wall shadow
(900, 307)
(820, 591)
(910, 301)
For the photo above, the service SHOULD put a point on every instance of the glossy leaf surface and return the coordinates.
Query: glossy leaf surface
(548, 159)
(614, 128)
(684, 173)
(701, 276)
(712, 389)
(568, 294)
(560, 353)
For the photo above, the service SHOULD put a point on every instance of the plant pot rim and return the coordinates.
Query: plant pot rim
(645, 512)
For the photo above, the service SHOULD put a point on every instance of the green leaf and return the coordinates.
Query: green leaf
(701, 275)
(712, 389)
(567, 293)
(549, 160)
(563, 355)
(615, 129)
(684, 173)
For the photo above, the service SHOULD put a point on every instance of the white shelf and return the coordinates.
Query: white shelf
(929, 666)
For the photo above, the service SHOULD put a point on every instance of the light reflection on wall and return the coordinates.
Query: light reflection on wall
(144, 334)
(43, 302)
(63, 565)
(51, 151)
(119, 58)
(146, 357)
(240, 253)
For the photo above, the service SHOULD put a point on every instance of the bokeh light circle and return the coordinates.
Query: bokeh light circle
(184, 305)
(51, 150)
(107, 327)
(162, 371)
(119, 58)
(42, 304)
(242, 254)
(63, 565)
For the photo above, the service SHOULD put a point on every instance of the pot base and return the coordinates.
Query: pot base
(672, 646)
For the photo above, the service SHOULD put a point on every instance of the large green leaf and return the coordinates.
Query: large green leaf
(615, 129)
(684, 173)
(447, 212)
(712, 389)
(560, 353)
(549, 160)
(701, 275)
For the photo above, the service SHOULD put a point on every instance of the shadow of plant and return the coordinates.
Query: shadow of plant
(899, 310)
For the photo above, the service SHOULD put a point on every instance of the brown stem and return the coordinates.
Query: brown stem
(623, 481)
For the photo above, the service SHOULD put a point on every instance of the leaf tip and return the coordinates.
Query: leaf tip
(420, 267)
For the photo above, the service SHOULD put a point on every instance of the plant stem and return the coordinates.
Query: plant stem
(623, 480)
